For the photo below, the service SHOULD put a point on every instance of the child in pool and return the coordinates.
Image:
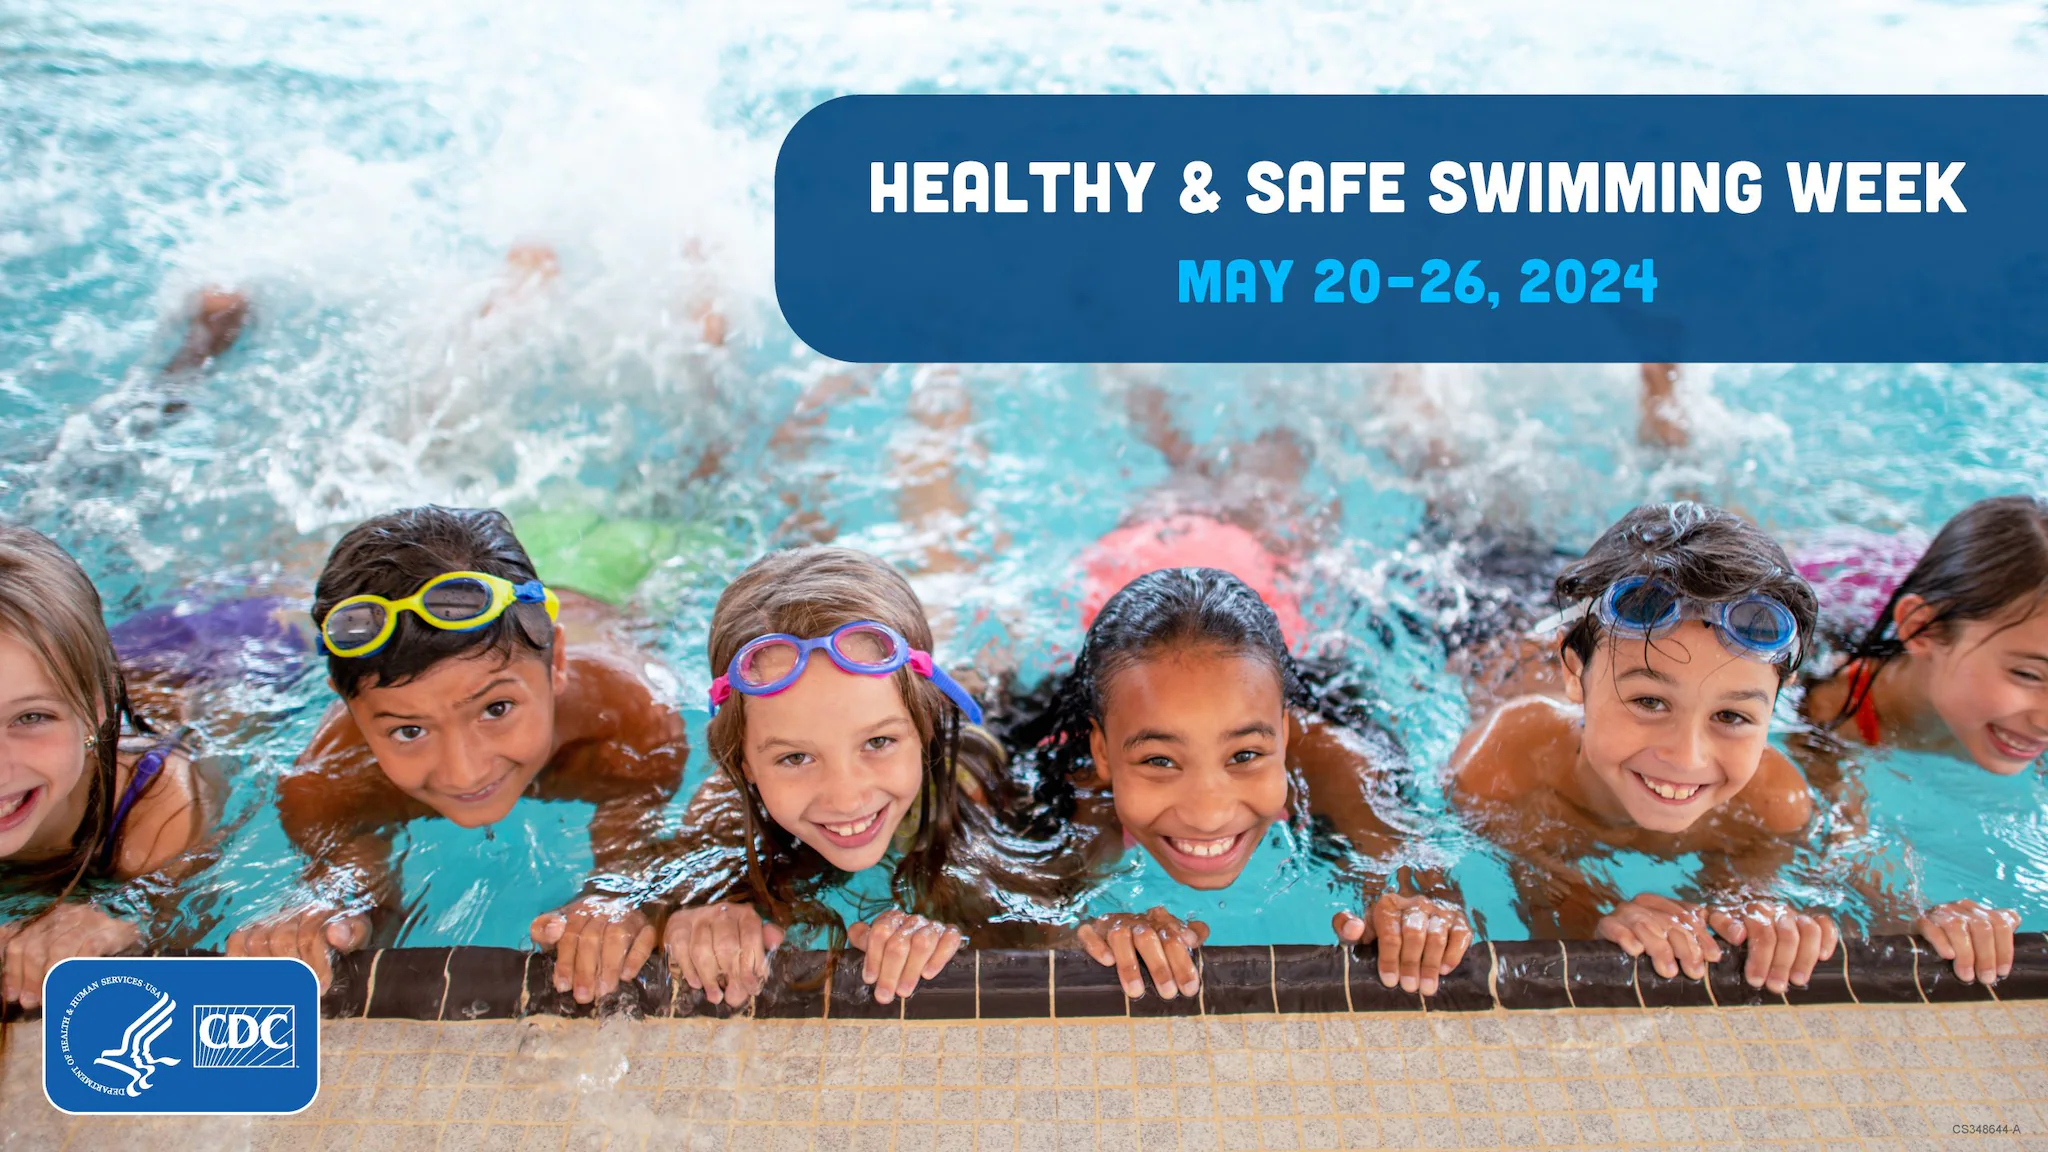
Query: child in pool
(1956, 663)
(1241, 508)
(459, 720)
(78, 799)
(839, 744)
(1683, 623)
(1177, 731)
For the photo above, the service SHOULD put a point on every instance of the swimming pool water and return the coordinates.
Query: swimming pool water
(360, 170)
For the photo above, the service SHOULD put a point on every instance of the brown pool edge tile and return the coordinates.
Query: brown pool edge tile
(1532, 974)
(485, 983)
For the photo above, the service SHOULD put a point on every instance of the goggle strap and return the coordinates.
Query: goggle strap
(921, 663)
(1556, 620)
(954, 692)
(721, 691)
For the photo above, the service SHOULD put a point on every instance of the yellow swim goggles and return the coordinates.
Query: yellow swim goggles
(452, 602)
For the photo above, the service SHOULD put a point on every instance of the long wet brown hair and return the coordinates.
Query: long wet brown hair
(1990, 561)
(961, 855)
(49, 604)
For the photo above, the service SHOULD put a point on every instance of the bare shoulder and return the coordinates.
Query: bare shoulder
(616, 686)
(336, 781)
(616, 727)
(1515, 749)
(1778, 795)
(172, 814)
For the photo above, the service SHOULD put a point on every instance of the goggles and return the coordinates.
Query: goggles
(452, 602)
(1755, 627)
(769, 664)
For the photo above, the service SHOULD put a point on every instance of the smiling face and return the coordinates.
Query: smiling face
(1988, 681)
(1194, 746)
(468, 735)
(42, 755)
(1674, 728)
(837, 761)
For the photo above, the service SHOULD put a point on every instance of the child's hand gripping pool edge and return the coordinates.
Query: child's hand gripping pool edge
(1784, 944)
(599, 941)
(1976, 939)
(69, 930)
(721, 950)
(902, 948)
(1421, 939)
(314, 934)
(1164, 944)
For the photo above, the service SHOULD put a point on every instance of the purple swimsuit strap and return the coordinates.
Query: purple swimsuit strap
(146, 771)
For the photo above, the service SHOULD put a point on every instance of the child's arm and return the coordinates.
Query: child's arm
(630, 772)
(1976, 938)
(340, 813)
(216, 324)
(1502, 775)
(1663, 420)
(1422, 933)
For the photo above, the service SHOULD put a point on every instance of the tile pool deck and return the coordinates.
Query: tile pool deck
(1837, 1076)
(1093, 1074)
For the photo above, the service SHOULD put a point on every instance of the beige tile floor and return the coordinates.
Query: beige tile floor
(1861, 1077)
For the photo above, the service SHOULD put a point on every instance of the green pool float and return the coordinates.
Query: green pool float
(607, 556)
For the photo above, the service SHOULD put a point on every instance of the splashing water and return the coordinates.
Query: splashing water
(360, 171)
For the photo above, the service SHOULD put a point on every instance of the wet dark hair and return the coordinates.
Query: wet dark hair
(1987, 560)
(1167, 610)
(392, 555)
(1705, 552)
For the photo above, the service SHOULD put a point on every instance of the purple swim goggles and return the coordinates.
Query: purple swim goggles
(769, 664)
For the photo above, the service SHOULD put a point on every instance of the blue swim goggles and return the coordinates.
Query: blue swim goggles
(1754, 627)
(769, 664)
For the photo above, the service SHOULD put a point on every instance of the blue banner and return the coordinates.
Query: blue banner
(150, 1036)
(1416, 228)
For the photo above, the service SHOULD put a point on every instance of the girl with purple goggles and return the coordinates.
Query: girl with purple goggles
(769, 664)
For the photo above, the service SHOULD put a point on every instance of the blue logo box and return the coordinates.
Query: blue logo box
(161, 1036)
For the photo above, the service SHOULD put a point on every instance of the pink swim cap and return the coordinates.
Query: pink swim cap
(1186, 541)
(1854, 571)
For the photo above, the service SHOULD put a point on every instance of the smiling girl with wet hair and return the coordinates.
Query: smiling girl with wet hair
(1955, 663)
(1680, 626)
(1185, 728)
(87, 792)
(852, 771)
(1957, 660)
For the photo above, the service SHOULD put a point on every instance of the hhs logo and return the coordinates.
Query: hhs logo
(167, 1035)
(243, 1036)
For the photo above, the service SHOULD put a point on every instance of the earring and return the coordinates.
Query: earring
(91, 742)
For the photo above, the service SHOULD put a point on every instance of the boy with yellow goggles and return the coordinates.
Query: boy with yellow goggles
(452, 602)
(464, 722)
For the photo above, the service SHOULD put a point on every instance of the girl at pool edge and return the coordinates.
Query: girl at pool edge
(1176, 730)
(78, 800)
(1956, 663)
(833, 750)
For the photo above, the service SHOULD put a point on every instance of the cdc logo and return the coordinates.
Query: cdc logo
(179, 1035)
(237, 1036)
